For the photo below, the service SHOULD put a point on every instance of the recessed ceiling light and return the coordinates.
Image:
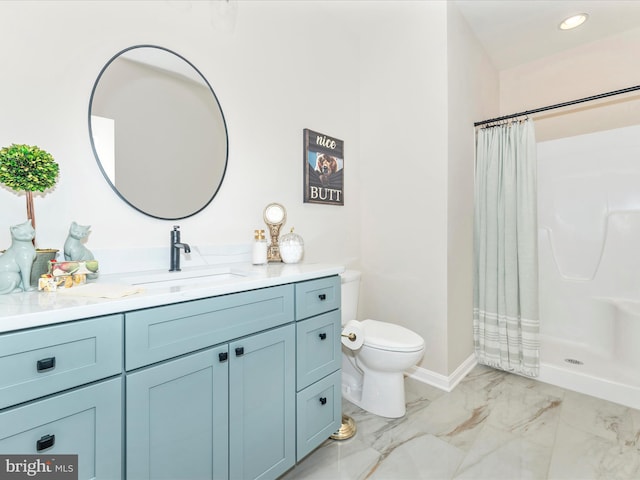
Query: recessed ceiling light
(573, 21)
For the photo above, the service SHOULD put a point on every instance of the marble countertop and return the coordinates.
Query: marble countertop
(33, 309)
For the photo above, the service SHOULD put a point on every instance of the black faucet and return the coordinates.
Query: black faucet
(176, 245)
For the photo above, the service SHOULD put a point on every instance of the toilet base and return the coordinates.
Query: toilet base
(383, 395)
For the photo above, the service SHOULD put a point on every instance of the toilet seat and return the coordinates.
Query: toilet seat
(391, 337)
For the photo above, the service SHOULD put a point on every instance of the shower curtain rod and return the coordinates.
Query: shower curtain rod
(558, 105)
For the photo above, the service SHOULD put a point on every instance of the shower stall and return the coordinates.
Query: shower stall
(589, 263)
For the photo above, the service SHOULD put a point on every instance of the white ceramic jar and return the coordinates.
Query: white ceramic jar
(291, 247)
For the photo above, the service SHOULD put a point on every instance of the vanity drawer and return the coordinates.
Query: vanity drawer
(317, 296)
(160, 333)
(86, 422)
(319, 413)
(318, 348)
(41, 361)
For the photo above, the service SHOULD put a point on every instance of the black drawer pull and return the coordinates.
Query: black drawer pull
(323, 400)
(46, 364)
(239, 351)
(223, 356)
(45, 442)
(323, 336)
(322, 296)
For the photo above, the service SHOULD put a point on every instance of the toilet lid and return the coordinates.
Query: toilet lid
(388, 336)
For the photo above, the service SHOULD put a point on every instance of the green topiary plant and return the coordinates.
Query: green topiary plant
(29, 169)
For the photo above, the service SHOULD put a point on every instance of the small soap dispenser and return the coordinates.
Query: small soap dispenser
(259, 252)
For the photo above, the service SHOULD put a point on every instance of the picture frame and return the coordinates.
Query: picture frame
(323, 169)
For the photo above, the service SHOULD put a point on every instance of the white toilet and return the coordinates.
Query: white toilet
(373, 375)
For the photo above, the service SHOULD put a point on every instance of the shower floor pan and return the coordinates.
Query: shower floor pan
(575, 367)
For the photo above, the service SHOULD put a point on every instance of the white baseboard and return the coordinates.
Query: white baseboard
(441, 381)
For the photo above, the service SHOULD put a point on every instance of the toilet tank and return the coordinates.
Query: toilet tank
(349, 295)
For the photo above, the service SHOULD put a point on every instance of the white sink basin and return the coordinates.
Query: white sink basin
(195, 275)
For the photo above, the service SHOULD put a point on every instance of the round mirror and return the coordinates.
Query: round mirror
(158, 132)
(274, 213)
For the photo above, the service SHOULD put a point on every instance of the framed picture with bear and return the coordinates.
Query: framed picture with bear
(323, 169)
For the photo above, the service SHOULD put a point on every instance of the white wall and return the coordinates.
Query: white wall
(403, 132)
(599, 67)
(473, 95)
(279, 68)
(420, 95)
(377, 74)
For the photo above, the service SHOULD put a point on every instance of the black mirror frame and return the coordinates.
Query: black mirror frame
(97, 157)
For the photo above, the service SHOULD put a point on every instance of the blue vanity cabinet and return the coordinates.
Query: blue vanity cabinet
(237, 386)
(61, 393)
(210, 387)
(225, 412)
(318, 358)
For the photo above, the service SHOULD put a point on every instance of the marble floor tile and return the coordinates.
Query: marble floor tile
(336, 461)
(493, 425)
(501, 455)
(455, 418)
(605, 419)
(424, 456)
(579, 455)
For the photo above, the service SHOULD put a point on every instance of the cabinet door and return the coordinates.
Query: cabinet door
(262, 404)
(177, 418)
(86, 422)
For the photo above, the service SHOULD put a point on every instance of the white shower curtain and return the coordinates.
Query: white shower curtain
(505, 303)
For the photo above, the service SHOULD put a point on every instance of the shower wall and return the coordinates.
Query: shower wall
(589, 255)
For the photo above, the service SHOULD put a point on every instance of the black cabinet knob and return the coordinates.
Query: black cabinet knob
(323, 400)
(323, 336)
(223, 356)
(45, 442)
(46, 364)
(239, 351)
(322, 296)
